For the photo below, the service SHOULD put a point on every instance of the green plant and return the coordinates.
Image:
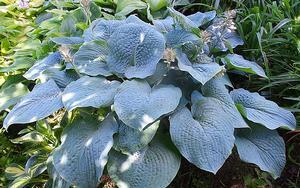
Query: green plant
(127, 78)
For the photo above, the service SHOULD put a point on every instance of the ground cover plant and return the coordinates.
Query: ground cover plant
(133, 95)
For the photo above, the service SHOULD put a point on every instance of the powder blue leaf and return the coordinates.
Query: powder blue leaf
(259, 110)
(90, 59)
(239, 63)
(81, 157)
(263, 147)
(203, 70)
(89, 91)
(41, 102)
(153, 166)
(161, 71)
(129, 140)
(67, 40)
(179, 37)
(200, 18)
(205, 136)
(52, 61)
(135, 50)
(222, 35)
(138, 105)
(216, 88)
(101, 29)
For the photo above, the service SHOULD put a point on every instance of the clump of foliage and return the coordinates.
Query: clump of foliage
(134, 97)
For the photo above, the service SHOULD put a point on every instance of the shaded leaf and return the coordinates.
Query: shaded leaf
(130, 140)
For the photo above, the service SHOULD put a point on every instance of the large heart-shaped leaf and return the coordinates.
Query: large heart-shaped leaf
(89, 91)
(238, 62)
(90, 59)
(41, 102)
(11, 94)
(204, 137)
(154, 166)
(135, 49)
(259, 110)
(216, 88)
(138, 105)
(81, 157)
(130, 140)
(262, 147)
(52, 61)
(202, 70)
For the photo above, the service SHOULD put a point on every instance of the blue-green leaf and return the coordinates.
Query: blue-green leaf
(205, 136)
(216, 88)
(90, 59)
(89, 91)
(81, 157)
(200, 18)
(179, 37)
(130, 140)
(67, 40)
(239, 63)
(41, 102)
(153, 166)
(52, 61)
(138, 105)
(263, 147)
(134, 50)
(259, 110)
(125, 7)
(202, 70)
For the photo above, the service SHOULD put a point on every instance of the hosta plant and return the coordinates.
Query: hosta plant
(137, 96)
